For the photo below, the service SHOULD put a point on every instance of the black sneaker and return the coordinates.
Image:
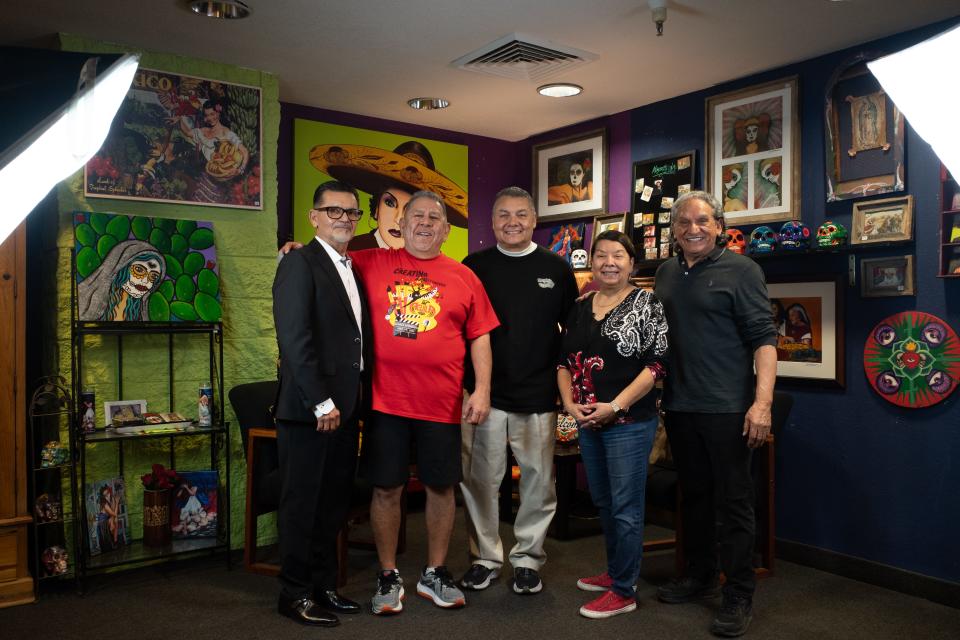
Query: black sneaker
(478, 577)
(526, 580)
(686, 589)
(734, 616)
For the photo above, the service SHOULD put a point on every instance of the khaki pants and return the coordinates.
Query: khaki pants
(531, 437)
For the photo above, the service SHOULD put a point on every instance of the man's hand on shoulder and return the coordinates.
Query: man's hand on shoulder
(288, 247)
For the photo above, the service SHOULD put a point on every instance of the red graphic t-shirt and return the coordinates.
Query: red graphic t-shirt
(423, 312)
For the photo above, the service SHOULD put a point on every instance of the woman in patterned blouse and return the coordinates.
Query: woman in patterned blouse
(614, 350)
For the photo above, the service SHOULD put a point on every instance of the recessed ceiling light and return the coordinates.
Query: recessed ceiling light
(226, 9)
(560, 90)
(428, 103)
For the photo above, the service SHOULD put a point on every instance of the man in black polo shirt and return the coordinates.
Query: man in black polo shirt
(718, 311)
(532, 291)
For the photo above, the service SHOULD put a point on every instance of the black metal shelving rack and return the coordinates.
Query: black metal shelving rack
(218, 434)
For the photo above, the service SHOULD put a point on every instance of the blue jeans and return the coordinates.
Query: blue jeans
(615, 459)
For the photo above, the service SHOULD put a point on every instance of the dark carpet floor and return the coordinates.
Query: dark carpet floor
(202, 599)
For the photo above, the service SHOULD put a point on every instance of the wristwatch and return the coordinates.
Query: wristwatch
(618, 411)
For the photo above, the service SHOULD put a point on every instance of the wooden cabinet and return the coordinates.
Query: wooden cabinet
(16, 585)
(949, 225)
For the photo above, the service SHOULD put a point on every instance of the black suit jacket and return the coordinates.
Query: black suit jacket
(320, 343)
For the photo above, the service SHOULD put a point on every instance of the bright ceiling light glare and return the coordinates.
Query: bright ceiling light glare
(560, 90)
(225, 9)
(428, 103)
(913, 80)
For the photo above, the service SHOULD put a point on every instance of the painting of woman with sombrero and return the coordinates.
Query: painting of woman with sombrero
(389, 169)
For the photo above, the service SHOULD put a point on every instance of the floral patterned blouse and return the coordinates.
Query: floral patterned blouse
(604, 356)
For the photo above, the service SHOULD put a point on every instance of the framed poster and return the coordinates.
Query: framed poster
(182, 139)
(863, 132)
(887, 220)
(808, 314)
(753, 152)
(883, 277)
(657, 183)
(108, 527)
(386, 169)
(608, 222)
(570, 176)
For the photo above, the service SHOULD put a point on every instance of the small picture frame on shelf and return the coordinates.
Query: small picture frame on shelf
(124, 413)
(885, 277)
(886, 220)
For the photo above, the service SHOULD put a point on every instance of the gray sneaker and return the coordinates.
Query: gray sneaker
(438, 585)
(389, 596)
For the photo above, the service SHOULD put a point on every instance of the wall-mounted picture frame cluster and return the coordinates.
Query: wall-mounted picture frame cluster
(753, 152)
(657, 183)
(570, 176)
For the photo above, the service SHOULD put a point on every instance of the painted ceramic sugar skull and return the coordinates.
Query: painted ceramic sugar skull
(831, 234)
(55, 560)
(579, 258)
(735, 241)
(566, 428)
(794, 236)
(763, 240)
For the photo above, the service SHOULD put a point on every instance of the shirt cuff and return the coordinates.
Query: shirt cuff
(324, 408)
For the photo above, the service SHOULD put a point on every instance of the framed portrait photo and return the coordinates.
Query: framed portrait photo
(570, 176)
(808, 314)
(887, 220)
(884, 277)
(753, 152)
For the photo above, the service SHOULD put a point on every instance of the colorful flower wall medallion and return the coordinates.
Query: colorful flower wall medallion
(912, 359)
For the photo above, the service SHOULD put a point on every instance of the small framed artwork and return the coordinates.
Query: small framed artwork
(887, 220)
(124, 412)
(883, 277)
(753, 152)
(609, 222)
(808, 314)
(863, 134)
(570, 176)
(194, 513)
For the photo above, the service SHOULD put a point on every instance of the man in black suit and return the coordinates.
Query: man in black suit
(323, 331)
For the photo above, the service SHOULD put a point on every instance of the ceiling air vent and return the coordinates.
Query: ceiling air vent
(523, 57)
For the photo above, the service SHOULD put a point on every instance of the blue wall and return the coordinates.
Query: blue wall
(855, 474)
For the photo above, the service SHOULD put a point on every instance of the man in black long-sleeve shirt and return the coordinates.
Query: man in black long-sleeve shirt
(718, 311)
(532, 291)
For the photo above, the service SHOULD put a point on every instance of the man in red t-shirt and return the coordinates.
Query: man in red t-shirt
(426, 309)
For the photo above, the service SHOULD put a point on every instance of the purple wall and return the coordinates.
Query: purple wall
(492, 165)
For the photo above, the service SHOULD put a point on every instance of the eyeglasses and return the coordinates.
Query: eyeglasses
(140, 271)
(336, 213)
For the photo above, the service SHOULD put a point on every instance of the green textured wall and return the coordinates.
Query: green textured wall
(246, 251)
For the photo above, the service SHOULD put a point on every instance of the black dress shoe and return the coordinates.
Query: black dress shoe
(306, 611)
(333, 601)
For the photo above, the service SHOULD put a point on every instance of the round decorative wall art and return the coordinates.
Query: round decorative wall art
(912, 359)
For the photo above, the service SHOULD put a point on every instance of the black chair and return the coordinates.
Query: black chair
(251, 403)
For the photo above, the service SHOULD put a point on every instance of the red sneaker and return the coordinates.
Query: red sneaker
(602, 582)
(608, 605)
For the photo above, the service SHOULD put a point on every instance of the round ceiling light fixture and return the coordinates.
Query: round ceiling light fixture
(560, 90)
(428, 103)
(225, 9)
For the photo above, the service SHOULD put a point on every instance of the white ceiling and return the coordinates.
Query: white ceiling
(369, 56)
